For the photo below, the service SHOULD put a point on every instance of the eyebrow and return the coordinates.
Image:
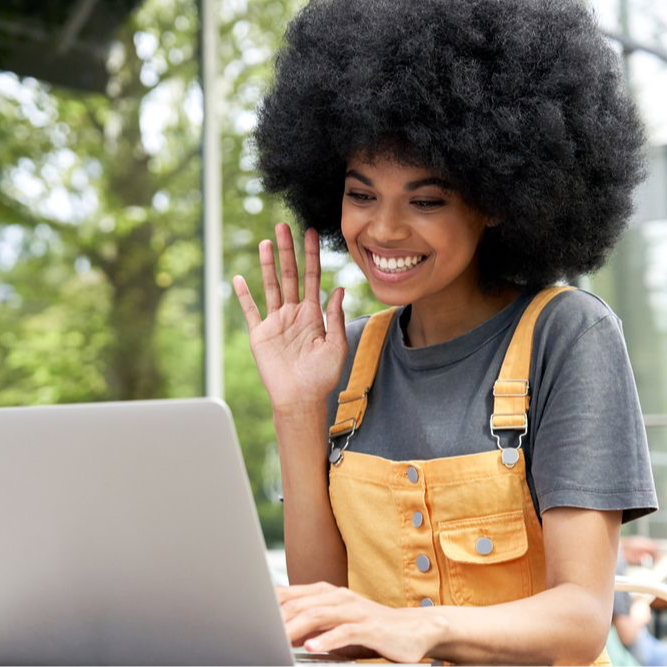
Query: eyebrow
(410, 187)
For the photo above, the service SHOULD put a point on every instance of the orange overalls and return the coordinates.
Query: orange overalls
(460, 530)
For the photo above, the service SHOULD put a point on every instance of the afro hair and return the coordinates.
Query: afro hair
(519, 104)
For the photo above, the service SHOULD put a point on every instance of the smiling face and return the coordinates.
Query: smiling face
(415, 240)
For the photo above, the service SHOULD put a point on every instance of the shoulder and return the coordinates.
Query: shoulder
(572, 314)
(579, 339)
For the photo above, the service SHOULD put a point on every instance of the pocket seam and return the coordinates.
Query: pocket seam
(460, 581)
(492, 520)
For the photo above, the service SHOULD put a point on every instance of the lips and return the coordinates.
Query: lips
(394, 265)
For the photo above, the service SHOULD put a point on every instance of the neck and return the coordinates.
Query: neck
(434, 321)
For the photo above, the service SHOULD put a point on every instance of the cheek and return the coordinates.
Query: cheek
(349, 228)
(461, 239)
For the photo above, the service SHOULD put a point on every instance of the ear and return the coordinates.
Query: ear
(491, 222)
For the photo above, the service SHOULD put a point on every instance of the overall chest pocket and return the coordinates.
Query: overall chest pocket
(485, 558)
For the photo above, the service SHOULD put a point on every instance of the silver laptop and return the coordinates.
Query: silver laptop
(128, 535)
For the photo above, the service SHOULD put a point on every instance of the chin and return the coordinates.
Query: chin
(390, 299)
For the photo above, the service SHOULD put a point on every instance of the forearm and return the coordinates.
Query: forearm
(562, 625)
(313, 546)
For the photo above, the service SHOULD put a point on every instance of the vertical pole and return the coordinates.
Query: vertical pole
(212, 202)
(624, 25)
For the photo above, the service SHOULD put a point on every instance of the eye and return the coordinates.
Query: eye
(360, 197)
(428, 204)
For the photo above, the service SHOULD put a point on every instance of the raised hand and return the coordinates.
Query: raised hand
(298, 360)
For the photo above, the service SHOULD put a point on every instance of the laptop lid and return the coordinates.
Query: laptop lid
(128, 535)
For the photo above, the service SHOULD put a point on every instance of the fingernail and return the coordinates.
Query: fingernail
(312, 645)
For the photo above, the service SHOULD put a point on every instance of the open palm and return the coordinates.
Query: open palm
(299, 360)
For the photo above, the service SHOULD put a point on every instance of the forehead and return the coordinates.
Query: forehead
(389, 168)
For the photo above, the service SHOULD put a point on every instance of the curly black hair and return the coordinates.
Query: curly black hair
(520, 104)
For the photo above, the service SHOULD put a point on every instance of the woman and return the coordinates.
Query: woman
(485, 438)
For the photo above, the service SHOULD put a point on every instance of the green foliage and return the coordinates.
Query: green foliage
(102, 217)
(100, 226)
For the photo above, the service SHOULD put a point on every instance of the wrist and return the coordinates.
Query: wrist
(297, 412)
(439, 631)
(301, 434)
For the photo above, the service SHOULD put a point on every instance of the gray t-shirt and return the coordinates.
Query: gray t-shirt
(586, 444)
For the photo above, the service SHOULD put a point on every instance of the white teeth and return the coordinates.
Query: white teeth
(396, 264)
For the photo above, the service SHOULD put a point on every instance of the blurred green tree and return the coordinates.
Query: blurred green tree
(100, 226)
(103, 216)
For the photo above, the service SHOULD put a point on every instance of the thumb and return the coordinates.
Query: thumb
(336, 319)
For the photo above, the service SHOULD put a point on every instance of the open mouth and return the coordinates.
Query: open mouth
(396, 264)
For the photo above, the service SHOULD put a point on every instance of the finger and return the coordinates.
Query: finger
(285, 593)
(281, 591)
(310, 624)
(303, 640)
(292, 608)
(346, 634)
(248, 306)
(336, 319)
(321, 618)
(269, 278)
(311, 290)
(289, 273)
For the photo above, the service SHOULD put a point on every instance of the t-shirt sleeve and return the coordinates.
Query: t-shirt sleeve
(589, 445)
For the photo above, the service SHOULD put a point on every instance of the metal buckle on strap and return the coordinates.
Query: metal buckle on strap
(523, 425)
(353, 427)
(510, 455)
(336, 452)
(354, 398)
(524, 393)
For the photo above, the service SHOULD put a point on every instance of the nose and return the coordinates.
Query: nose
(387, 225)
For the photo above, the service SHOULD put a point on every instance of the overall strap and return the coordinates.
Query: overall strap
(511, 391)
(352, 401)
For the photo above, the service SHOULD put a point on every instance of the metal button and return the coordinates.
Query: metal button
(427, 602)
(510, 457)
(336, 456)
(413, 474)
(484, 546)
(417, 519)
(423, 563)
